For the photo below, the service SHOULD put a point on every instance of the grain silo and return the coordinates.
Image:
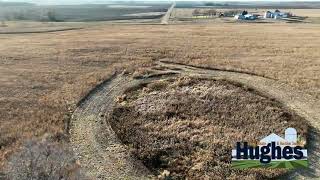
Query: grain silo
(268, 14)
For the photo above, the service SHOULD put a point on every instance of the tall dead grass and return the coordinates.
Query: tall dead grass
(188, 127)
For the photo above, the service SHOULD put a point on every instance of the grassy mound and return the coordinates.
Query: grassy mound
(186, 127)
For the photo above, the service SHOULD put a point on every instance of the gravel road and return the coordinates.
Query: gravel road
(166, 17)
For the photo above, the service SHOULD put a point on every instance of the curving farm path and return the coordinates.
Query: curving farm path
(103, 156)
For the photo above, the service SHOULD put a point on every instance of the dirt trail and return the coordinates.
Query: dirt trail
(166, 17)
(103, 156)
(99, 151)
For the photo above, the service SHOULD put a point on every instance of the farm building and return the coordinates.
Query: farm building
(250, 17)
(239, 16)
(268, 14)
(286, 15)
(276, 14)
(245, 17)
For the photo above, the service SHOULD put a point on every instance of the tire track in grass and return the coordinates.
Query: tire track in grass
(103, 156)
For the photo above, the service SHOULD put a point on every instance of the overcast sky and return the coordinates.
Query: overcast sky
(100, 1)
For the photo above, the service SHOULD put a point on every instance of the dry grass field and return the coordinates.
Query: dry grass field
(11, 27)
(43, 76)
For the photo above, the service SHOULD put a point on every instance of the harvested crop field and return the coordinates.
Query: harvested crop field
(185, 126)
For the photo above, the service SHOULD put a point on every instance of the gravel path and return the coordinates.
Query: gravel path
(103, 156)
(166, 17)
(97, 147)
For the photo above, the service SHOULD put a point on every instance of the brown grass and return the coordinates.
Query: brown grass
(43, 76)
(14, 27)
(189, 126)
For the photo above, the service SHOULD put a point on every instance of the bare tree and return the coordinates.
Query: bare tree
(196, 12)
(206, 14)
(52, 16)
(43, 160)
(212, 12)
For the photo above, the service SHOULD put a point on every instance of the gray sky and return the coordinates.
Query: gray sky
(97, 1)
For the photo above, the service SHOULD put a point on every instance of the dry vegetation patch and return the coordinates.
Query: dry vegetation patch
(43, 76)
(187, 127)
(43, 159)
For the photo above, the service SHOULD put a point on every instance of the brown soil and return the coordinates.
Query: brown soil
(188, 126)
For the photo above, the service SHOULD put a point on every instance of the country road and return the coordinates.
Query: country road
(166, 17)
(103, 156)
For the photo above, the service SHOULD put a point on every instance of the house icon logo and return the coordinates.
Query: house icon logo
(273, 151)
